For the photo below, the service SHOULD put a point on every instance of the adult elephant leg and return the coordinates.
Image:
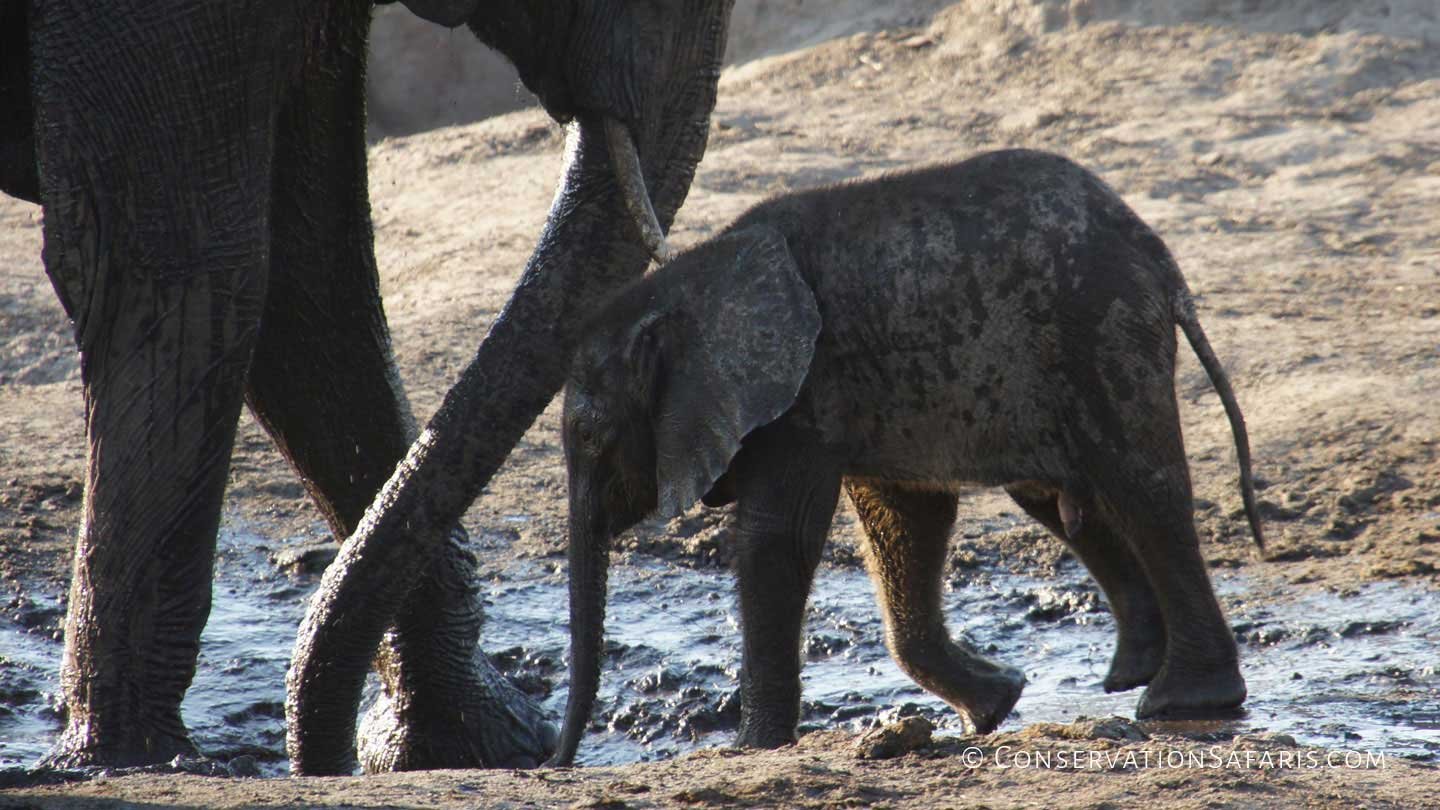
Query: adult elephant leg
(584, 255)
(588, 249)
(518, 369)
(324, 385)
(161, 264)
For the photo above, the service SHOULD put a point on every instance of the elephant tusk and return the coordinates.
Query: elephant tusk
(626, 162)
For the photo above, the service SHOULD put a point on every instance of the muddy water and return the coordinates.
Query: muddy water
(1353, 670)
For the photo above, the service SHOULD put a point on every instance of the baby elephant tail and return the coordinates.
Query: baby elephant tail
(1189, 322)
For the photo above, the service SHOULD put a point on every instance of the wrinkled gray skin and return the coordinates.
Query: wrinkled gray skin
(1006, 321)
(207, 228)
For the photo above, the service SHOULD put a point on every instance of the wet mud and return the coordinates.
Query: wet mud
(1351, 668)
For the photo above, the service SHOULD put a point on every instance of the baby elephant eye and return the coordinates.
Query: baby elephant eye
(585, 434)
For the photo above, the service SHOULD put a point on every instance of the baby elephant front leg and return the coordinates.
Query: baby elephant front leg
(906, 533)
(786, 500)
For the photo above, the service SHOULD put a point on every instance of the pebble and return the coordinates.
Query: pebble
(895, 739)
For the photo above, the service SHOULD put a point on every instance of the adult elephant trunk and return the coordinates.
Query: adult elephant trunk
(589, 553)
(590, 246)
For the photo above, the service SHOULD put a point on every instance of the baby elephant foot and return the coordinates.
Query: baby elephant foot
(993, 696)
(1135, 664)
(766, 729)
(1177, 694)
(760, 736)
(982, 691)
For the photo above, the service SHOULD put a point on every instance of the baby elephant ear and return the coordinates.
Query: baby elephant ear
(739, 355)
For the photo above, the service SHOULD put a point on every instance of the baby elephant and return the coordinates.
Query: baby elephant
(1006, 321)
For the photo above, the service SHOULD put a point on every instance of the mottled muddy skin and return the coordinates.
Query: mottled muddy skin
(1006, 321)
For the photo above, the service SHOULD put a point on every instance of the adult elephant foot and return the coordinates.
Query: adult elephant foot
(443, 704)
(142, 744)
(479, 721)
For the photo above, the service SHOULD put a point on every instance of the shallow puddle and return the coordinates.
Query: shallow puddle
(1355, 670)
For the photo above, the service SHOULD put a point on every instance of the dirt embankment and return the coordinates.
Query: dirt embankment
(422, 76)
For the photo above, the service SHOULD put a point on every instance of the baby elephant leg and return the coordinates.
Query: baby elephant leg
(1140, 648)
(786, 495)
(906, 533)
(1148, 502)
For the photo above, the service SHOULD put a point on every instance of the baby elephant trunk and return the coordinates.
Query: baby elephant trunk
(589, 562)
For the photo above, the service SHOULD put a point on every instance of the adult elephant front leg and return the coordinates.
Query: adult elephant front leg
(163, 272)
(516, 372)
(650, 68)
(324, 384)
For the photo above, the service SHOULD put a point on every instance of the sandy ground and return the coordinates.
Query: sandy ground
(423, 76)
(1291, 159)
(826, 771)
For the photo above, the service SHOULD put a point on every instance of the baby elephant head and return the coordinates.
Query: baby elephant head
(671, 376)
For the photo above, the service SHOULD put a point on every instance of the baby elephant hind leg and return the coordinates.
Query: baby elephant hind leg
(906, 533)
(1140, 648)
(1149, 502)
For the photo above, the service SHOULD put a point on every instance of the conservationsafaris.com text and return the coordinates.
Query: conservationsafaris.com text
(1006, 757)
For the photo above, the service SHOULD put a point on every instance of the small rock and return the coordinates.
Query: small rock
(244, 766)
(894, 739)
(1086, 728)
(1375, 628)
(309, 559)
(1266, 739)
(704, 795)
(1108, 728)
(1049, 604)
(917, 42)
(1026, 120)
(194, 765)
(1394, 569)
(821, 645)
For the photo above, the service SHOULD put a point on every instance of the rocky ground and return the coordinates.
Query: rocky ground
(1291, 159)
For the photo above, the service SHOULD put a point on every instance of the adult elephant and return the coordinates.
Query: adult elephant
(207, 228)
